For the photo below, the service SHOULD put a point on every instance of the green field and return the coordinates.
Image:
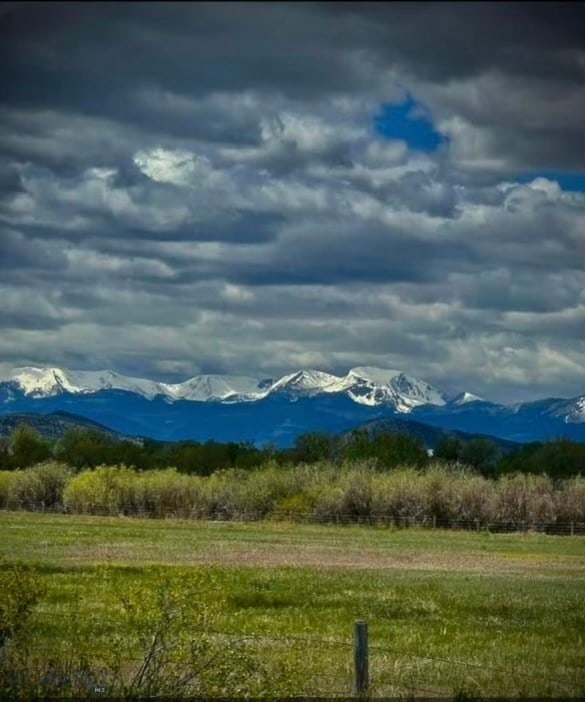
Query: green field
(269, 608)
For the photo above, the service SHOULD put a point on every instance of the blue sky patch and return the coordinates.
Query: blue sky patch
(574, 182)
(410, 122)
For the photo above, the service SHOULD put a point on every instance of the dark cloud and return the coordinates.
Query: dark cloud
(209, 178)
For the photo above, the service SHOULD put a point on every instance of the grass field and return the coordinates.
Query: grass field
(270, 607)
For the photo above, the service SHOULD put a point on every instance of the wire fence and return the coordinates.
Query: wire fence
(506, 525)
(389, 667)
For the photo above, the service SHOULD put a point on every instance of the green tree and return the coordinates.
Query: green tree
(83, 448)
(559, 459)
(313, 447)
(5, 458)
(481, 454)
(27, 447)
(449, 448)
(387, 449)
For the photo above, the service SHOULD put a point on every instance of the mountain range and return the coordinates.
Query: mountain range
(244, 408)
(55, 425)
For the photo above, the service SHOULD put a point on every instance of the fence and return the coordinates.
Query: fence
(399, 521)
(362, 670)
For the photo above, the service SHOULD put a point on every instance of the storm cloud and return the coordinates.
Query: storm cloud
(251, 188)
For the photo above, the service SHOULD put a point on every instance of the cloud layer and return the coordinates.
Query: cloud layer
(247, 188)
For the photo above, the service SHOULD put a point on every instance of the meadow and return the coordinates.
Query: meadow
(134, 607)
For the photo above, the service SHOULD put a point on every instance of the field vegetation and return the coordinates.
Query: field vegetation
(240, 572)
(142, 607)
(437, 495)
(88, 448)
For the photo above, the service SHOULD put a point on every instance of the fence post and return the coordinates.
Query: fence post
(361, 657)
(572, 528)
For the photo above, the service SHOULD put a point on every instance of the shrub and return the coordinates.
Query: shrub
(570, 501)
(525, 499)
(476, 499)
(51, 479)
(7, 480)
(26, 490)
(105, 490)
(322, 491)
(297, 508)
(440, 492)
(357, 500)
(399, 496)
(169, 493)
(20, 593)
(328, 500)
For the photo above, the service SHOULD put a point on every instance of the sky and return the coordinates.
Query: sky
(256, 188)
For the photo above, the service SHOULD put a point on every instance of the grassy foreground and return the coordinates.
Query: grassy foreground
(268, 609)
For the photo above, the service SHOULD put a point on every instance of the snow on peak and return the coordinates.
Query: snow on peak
(376, 386)
(571, 411)
(308, 380)
(45, 382)
(40, 382)
(577, 413)
(379, 376)
(205, 388)
(363, 384)
(464, 398)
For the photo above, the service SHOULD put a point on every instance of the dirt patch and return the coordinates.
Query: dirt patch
(319, 557)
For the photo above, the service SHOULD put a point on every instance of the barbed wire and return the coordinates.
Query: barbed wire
(503, 525)
(319, 641)
(402, 686)
(488, 669)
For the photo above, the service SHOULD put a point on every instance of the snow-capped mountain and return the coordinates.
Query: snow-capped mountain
(241, 408)
(222, 388)
(308, 383)
(46, 382)
(570, 411)
(465, 398)
(573, 411)
(374, 387)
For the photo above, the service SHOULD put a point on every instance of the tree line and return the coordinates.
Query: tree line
(82, 448)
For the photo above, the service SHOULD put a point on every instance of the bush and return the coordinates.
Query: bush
(25, 490)
(324, 492)
(297, 508)
(20, 593)
(7, 490)
(525, 499)
(399, 496)
(169, 493)
(570, 501)
(52, 477)
(105, 490)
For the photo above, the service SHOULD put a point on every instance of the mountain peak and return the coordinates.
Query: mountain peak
(227, 388)
(464, 398)
(364, 385)
(380, 376)
(307, 380)
(179, 410)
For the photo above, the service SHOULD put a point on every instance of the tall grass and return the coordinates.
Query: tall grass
(439, 494)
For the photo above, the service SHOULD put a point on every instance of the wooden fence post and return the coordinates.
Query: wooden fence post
(362, 678)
